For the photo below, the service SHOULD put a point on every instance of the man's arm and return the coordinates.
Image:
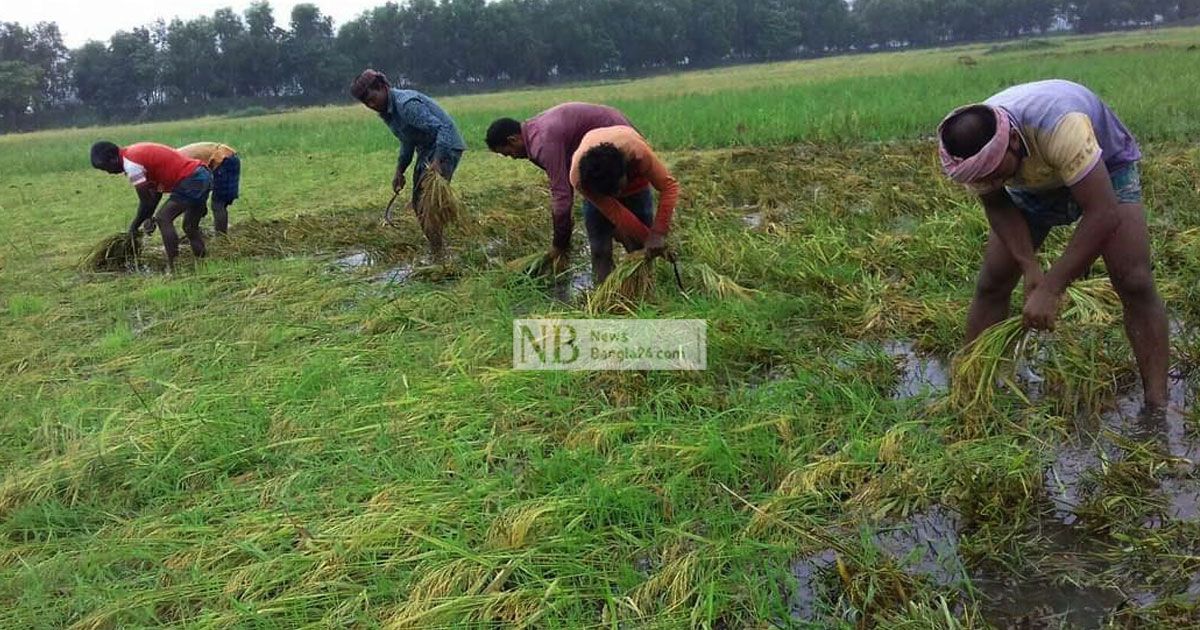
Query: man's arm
(668, 195)
(418, 116)
(1010, 226)
(405, 157)
(626, 223)
(562, 198)
(148, 199)
(1098, 202)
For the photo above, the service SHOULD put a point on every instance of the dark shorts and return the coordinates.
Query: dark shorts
(227, 179)
(1047, 209)
(600, 230)
(194, 188)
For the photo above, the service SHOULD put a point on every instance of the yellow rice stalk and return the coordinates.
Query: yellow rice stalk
(538, 264)
(511, 530)
(438, 205)
(673, 585)
(722, 286)
(117, 252)
(631, 280)
(993, 356)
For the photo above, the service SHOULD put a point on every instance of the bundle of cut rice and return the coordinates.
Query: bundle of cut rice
(437, 205)
(117, 252)
(632, 279)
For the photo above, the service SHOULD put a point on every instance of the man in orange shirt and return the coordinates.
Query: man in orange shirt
(226, 169)
(154, 169)
(614, 169)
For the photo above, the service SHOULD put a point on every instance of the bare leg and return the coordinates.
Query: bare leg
(166, 226)
(602, 262)
(191, 227)
(993, 289)
(1127, 256)
(220, 211)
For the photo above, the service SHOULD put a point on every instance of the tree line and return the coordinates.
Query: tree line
(229, 59)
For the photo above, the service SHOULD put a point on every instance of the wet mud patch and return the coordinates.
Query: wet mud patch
(918, 374)
(1067, 578)
(1151, 455)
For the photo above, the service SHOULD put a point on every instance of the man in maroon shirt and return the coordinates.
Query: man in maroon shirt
(549, 140)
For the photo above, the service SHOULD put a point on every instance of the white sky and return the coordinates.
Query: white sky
(80, 21)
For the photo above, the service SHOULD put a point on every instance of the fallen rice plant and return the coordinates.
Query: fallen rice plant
(992, 357)
(117, 252)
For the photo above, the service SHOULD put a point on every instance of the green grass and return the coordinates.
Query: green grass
(264, 440)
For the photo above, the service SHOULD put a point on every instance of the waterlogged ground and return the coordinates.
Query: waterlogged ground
(318, 426)
(320, 417)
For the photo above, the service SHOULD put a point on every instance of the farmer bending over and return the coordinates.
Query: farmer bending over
(420, 124)
(614, 169)
(1052, 153)
(154, 169)
(549, 140)
(226, 169)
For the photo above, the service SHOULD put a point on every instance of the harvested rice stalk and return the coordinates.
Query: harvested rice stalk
(993, 356)
(631, 280)
(552, 262)
(722, 286)
(117, 252)
(437, 205)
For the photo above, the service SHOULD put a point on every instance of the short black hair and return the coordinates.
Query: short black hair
(601, 169)
(968, 131)
(105, 153)
(501, 130)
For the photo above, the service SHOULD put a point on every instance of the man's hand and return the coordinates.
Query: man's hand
(1041, 307)
(1034, 277)
(398, 181)
(655, 245)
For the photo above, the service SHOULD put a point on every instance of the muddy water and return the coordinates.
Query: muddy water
(566, 288)
(810, 572)
(919, 374)
(926, 546)
(1090, 444)
(353, 260)
(396, 275)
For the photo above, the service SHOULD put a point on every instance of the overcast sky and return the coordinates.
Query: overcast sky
(80, 21)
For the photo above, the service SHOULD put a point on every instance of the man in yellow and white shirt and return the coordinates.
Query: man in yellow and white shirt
(226, 168)
(1046, 154)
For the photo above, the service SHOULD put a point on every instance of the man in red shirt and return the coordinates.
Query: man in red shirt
(154, 169)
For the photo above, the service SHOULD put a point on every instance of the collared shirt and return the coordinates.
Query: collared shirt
(1067, 130)
(551, 139)
(419, 123)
